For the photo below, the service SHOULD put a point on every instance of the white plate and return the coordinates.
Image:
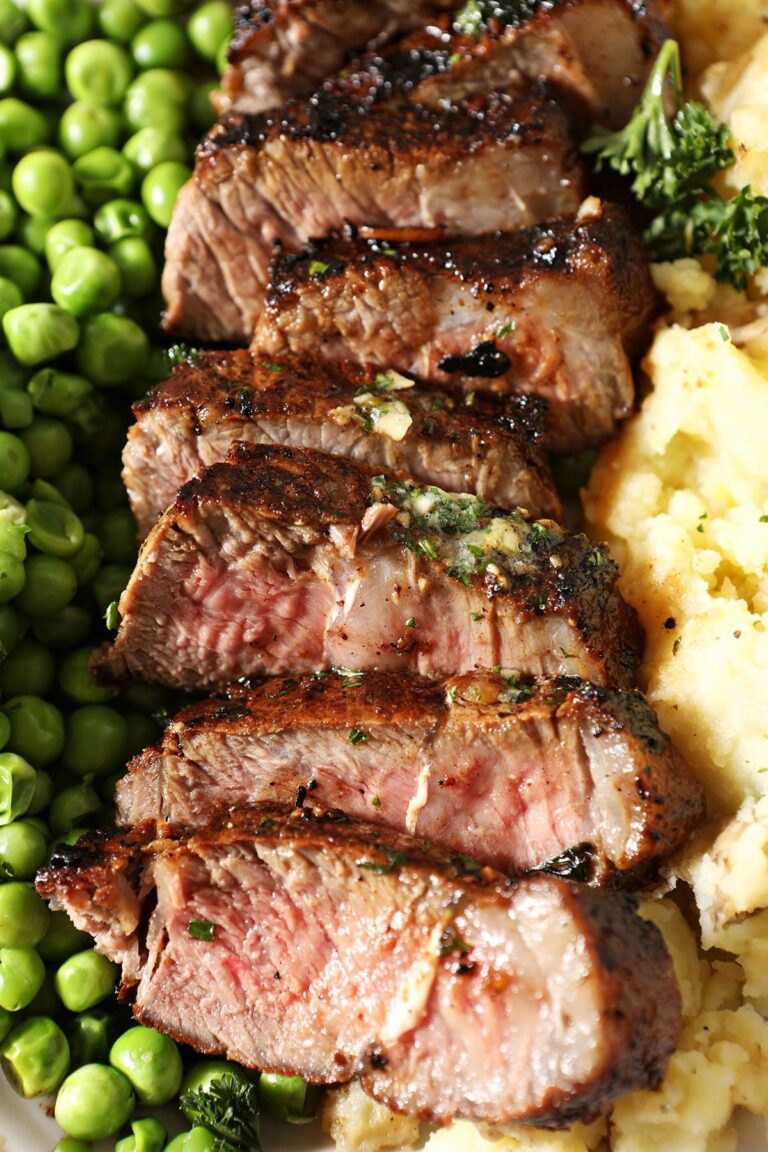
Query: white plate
(26, 1127)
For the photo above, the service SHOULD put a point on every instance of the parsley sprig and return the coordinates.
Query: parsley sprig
(229, 1109)
(671, 158)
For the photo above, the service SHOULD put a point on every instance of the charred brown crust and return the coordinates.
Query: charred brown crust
(574, 247)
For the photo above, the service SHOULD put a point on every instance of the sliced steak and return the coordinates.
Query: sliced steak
(360, 151)
(512, 772)
(288, 560)
(597, 52)
(381, 419)
(559, 310)
(284, 48)
(339, 949)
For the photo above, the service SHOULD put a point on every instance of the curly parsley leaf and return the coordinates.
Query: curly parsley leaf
(229, 1109)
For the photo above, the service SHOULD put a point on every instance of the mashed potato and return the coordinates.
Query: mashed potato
(718, 29)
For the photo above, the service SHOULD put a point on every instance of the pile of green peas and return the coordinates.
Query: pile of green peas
(100, 108)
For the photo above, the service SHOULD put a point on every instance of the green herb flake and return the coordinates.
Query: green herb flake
(676, 646)
(229, 1110)
(475, 616)
(112, 616)
(763, 519)
(427, 548)
(725, 334)
(469, 399)
(375, 802)
(506, 330)
(318, 269)
(451, 694)
(358, 736)
(201, 929)
(411, 622)
(396, 861)
(450, 943)
(269, 367)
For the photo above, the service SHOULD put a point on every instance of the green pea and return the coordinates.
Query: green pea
(48, 441)
(69, 20)
(32, 230)
(98, 71)
(57, 393)
(201, 1075)
(14, 462)
(13, 21)
(86, 281)
(23, 849)
(87, 562)
(97, 736)
(142, 731)
(75, 482)
(121, 219)
(147, 1135)
(160, 188)
(137, 265)
(13, 532)
(91, 1036)
(84, 127)
(151, 146)
(78, 683)
(103, 174)
(53, 529)
(196, 1140)
(288, 1098)
(40, 332)
(120, 19)
(6, 1023)
(35, 1057)
(113, 350)
(157, 98)
(94, 1102)
(70, 1145)
(111, 491)
(85, 979)
(10, 296)
(63, 237)
(208, 26)
(21, 977)
(23, 915)
(222, 56)
(17, 786)
(12, 577)
(117, 533)
(22, 267)
(37, 729)
(43, 793)
(43, 183)
(160, 44)
(16, 410)
(64, 629)
(151, 1062)
(38, 57)
(5, 733)
(29, 670)
(203, 110)
(49, 586)
(8, 214)
(8, 69)
(21, 126)
(109, 583)
(74, 806)
(11, 630)
(147, 698)
(62, 939)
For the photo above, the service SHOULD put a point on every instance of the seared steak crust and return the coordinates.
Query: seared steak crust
(284, 48)
(510, 772)
(287, 560)
(214, 398)
(597, 52)
(558, 309)
(360, 151)
(341, 949)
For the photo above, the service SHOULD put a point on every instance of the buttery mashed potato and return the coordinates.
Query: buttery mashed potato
(682, 499)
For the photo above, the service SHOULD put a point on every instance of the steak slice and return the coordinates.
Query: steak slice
(284, 48)
(360, 151)
(288, 560)
(341, 949)
(512, 772)
(597, 52)
(380, 419)
(559, 310)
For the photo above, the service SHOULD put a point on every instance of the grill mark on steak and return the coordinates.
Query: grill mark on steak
(596, 52)
(360, 151)
(510, 772)
(559, 309)
(389, 953)
(190, 421)
(285, 560)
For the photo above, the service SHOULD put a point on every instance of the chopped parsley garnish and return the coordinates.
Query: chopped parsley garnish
(671, 161)
(358, 736)
(411, 622)
(506, 330)
(112, 616)
(396, 860)
(201, 929)
(269, 367)
(451, 943)
(318, 269)
(375, 802)
(476, 15)
(229, 1109)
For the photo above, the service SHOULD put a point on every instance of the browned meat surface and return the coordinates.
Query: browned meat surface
(284, 48)
(288, 560)
(512, 772)
(360, 151)
(559, 310)
(597, 52)
(214, 398)
(341, 949)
